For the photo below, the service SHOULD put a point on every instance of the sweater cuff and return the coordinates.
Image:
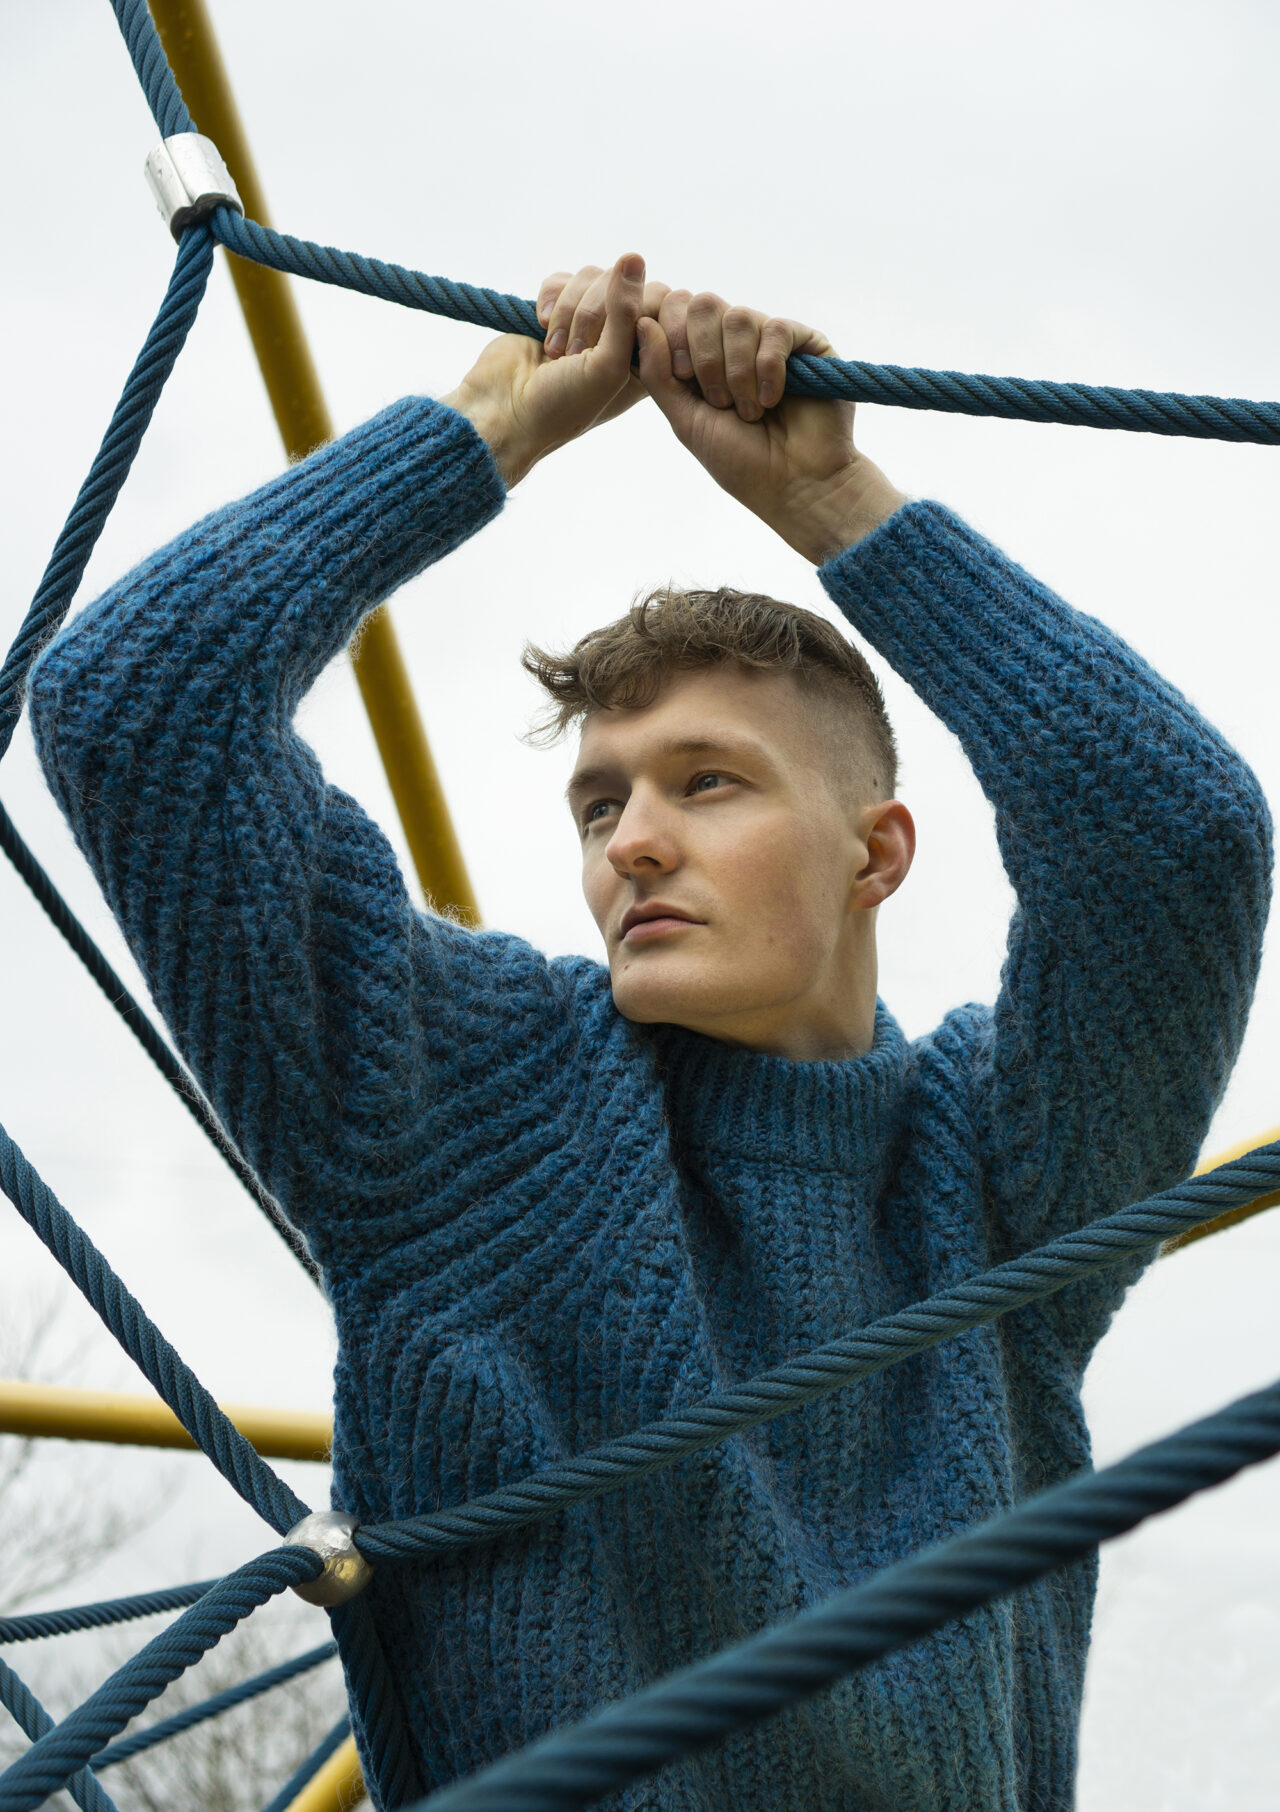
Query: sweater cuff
(394, 495)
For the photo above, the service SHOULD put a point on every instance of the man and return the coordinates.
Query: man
(554, 1201)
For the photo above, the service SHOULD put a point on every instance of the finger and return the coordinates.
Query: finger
(623, 297)
(741, 335)
(589, 315)
(560, 319)
(779, 338)
(655, 294)
(673, 319)
(706, 347)
(675, 399)
(549, 293)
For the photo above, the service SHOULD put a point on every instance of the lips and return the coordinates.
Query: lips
(655, 913)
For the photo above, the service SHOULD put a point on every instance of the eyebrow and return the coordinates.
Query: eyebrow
(587, 778)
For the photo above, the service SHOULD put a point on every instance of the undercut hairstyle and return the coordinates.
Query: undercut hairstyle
(625, 664)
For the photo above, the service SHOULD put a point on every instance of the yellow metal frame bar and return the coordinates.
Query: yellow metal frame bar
(336, 1786)
(302, 416)
(54, 1411)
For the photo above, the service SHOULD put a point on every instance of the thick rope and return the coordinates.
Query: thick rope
(307, 1770)
(900, 386)
(276, 1502)
(32, 1718)
(191, 1715)
(34, 1624)
(63, 1751)
(752, 1681)
(787, 1387)
(393, 1779)
(158, 83)
(108, 472)
(70, 928)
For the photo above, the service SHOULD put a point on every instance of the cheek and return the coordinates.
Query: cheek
(778, 885)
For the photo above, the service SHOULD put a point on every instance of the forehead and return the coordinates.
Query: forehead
(708, 708)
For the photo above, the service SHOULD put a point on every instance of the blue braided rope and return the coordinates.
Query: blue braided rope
(217, 1702)
(787, 1387)
(204, 1421)
(35, 1624)
(899, 386)
(392, 1777)
(69, 927)
(32, 1718)
(373, 277)
(307, 1770)
(158, 84)
(108, 472)
(63, 1751)
(755, 1679)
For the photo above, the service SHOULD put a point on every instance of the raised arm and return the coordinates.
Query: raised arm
(1138, 844)
(308, 996)
(1137, 840)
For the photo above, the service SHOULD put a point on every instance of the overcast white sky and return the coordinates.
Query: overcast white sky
(1077, 191)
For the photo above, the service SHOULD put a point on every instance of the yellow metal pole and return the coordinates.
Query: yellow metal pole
(336, 1786)
(54, 1411)
(1233, 1216)
(298, 403)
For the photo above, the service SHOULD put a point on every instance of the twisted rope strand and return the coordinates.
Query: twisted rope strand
(35, 1624)
(191, 1715)
(900, 386)
(73, 932)
(755, 1679)
(854, 380)
(789, 1386)
(33, 1720)
(275, 1501)
(64, 1750)
(109, 470)
(159, 84)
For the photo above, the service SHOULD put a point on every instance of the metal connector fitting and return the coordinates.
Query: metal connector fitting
(189, 180)
(330, 1534)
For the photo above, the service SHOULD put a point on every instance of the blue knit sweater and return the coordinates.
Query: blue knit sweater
(541, 1225)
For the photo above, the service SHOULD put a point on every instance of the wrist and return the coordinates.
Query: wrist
(494, 426)
(828, 517)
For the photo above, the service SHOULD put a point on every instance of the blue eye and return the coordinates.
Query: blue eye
(696, 784)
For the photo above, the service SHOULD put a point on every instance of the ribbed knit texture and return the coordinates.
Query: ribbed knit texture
(541, 1225)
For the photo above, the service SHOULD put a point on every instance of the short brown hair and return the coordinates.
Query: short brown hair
(625, 663)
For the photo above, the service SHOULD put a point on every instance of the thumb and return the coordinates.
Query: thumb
(674, 398)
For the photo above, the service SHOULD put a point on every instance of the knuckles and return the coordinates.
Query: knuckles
(706, 305)
(740, 321)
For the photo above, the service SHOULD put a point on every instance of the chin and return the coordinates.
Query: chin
(650, 999)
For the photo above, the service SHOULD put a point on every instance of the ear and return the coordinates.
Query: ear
(888, 830)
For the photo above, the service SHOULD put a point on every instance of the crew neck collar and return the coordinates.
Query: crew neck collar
(759, 1107)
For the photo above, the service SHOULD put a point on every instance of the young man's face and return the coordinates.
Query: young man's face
(715, 802)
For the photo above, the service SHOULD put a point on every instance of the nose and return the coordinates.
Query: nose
(642, 840)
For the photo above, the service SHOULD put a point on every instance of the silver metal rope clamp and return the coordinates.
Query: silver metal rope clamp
(189, 180)
(330, 1534)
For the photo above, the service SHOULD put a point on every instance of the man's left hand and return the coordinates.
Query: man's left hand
(718, 375)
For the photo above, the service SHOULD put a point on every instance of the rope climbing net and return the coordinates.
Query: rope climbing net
(707, 1701)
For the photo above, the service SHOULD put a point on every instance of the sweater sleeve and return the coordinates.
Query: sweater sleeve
(1139, 847)
(266, 911)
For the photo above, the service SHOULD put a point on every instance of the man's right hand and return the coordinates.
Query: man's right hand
(527, 400)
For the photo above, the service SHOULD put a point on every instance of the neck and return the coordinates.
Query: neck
(834, 1020)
